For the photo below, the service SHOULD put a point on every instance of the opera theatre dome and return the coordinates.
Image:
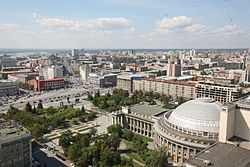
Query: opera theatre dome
(189, 128)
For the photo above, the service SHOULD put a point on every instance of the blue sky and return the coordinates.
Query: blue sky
(125, 24)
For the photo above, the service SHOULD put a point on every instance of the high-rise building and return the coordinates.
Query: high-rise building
(55, 72)
(174, 68)
(75, 52)
(84, 71)
(15, 145)
(192, 53)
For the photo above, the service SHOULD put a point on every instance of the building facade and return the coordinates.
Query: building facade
(221, 93)
(55, 72)
(183, 132)
(15, 145)
(168, 87)
(7, 61)
(191, 128)
(9, 89)
(84, 71)
(174, 68)
(49, 84)
(139, 118)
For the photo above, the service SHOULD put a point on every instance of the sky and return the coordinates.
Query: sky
(118, 24)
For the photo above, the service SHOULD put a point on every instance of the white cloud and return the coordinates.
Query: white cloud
(6, 26)
(168, 24)
(129, 30)
(34, 15)
(103, 23)
(197, 28)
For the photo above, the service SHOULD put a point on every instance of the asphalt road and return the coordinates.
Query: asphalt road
(47, 97)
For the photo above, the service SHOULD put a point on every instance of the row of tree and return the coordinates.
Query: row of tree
(42, 120)
(122, 98)
(152, 158)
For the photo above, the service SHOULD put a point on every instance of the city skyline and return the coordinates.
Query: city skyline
(125, 24)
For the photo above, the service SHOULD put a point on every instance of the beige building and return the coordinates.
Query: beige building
(125, 82)
(235, 121)
(168, 87)
(183, 132)
(15, 145)
(138, 118)
(192, 127)
(220, 92)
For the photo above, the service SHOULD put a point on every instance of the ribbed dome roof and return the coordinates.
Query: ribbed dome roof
(202, 114)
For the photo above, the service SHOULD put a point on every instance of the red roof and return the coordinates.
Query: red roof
(170, 81)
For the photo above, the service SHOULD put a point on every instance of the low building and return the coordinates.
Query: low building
(9, 89)
(139, 118)
(24, 78)
(15, 145)
(49, 84)
(221, 155)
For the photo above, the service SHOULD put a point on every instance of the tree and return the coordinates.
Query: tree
(157, 158)
(65, 139)
(115, 129)
(127, 162)
(28, 107)
(40, 105)
(127, 135)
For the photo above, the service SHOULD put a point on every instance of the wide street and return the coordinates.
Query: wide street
(53, 97)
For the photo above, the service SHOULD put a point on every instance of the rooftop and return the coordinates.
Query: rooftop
(222, 155)
(10, 130)
(147, 109)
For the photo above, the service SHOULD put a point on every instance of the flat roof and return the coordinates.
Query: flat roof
(222, 155)
(10, 131)
(147, 109)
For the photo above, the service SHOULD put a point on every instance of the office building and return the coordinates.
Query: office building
(223, 93)
(55, 72)
(108, 80)
(49, 84)
(174, 68)
(9, 89)
(84, 71)
(7, 61)
(15, 145)
(75, 52)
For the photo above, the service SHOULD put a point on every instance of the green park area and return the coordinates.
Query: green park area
(44, 120)
(90, 149)
(119, 98)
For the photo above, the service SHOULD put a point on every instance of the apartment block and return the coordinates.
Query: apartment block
(219, 92)
(169, 87)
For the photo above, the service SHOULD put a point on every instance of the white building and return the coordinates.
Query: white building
(84, 71)
(75, 52)
(55, 72)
